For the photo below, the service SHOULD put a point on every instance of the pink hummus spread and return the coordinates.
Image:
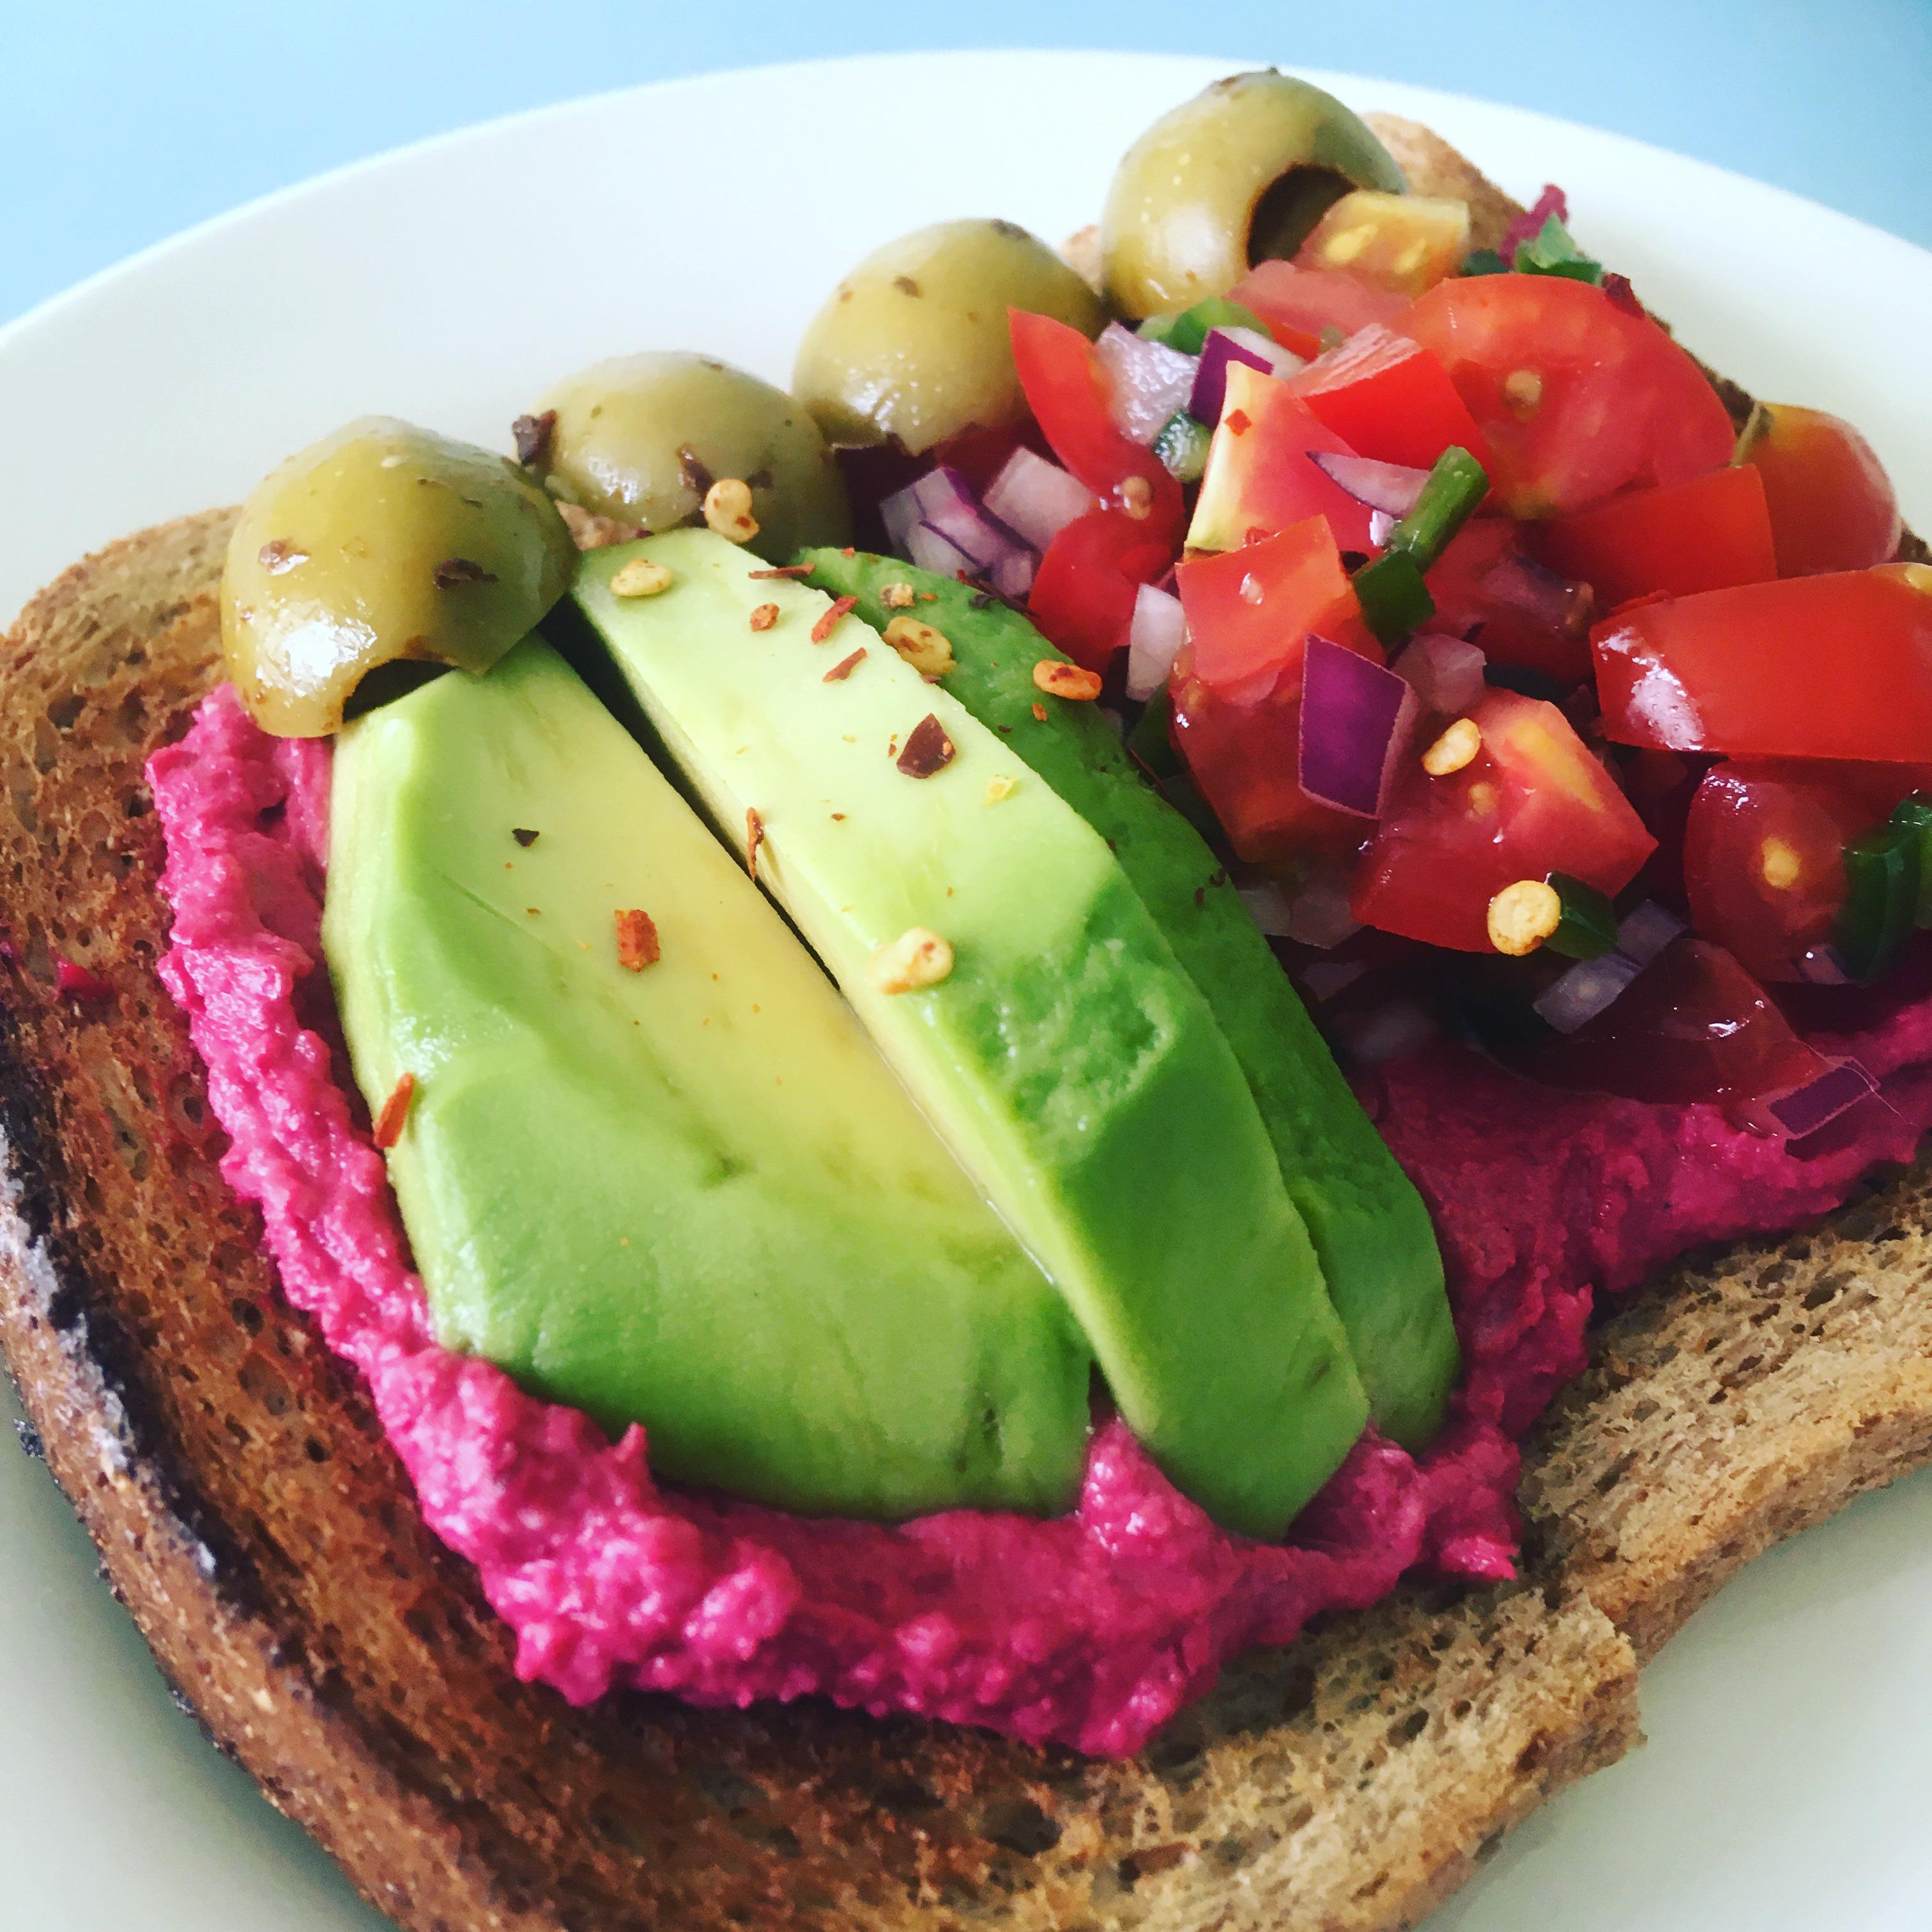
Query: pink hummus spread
(1088, 1630)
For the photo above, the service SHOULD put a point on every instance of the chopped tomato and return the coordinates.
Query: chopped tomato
(1832, 505)
(1260, 477)
(1390, 400)
(1708, 534)
(1533, 801)
(1484, 589)
(1237, 686)
(1066, 390)
(1307, 309)
(1083, 594)
(1833, 667)
(1692, 1026)
(1579, 397)
(1405, 242)
(1764, 861)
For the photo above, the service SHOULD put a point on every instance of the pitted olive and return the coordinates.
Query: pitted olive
(642, 438)
(380, 544)
(1238, 174)
(913, 343)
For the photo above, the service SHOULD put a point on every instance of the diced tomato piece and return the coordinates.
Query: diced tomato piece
(1237, 686)
(1083, 594)
(1579, 397)
(1692, 1026)
(1833, 667)
(1404, 242)
(1479, 595)
(1764, 861)
(1306, 308)
(1708, 534)
(1388, 399)
(1259, 479)
(1066, 390)
(1532, 802)
(1832, 505)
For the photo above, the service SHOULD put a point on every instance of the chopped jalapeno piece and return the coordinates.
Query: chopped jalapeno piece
(1455, 485)
(1484, 262)
(1182, 444)
(1552, 250)
(1916, 813)
(1395, 600)
(1187, 331)
(1588, 929)
(1884, 872)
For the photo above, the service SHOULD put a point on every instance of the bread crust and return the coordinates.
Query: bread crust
(252, 1517)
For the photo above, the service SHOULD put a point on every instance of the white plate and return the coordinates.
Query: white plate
(1791, 1727)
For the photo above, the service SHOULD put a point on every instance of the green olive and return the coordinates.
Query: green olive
(641, 438)
(1237, 175)
(913, 343)
(379, 544)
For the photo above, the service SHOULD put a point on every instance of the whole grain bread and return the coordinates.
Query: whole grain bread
(254, 1519)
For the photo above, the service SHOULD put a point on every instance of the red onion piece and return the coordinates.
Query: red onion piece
(1843, 1083)
(1356, 716)
(938, 524)
(933, 549)
(1224, 346)
(1150, 381)
(1528, 225)
(1539, 594)
(1445, 673)
(1585, 990)
(1036, 498)
(1012, 575)
(1389, 487)
(1320, 916)
(1154, 639)
(1645, 933)
(1268, 906)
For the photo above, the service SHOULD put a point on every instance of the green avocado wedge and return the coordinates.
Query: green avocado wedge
(1368, 1223)
(1071, 1064)
(691, 1195)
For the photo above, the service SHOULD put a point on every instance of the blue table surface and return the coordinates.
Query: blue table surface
(126, 120)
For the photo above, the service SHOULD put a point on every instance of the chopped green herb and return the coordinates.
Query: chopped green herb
(1915, 814)
(1884, 872)
(1456, 484)
(1187, 329)
(1552, 250)
(1484, 262)
(1395, 600)
(1588, 929)
(1182, 444)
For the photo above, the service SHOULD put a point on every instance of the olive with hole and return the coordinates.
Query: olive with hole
(1240, 174)
(382, 545)
(912, 346)
(642, 438)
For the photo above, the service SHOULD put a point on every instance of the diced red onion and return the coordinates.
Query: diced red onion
(941, 497)
(1381, 527)
(1356, 716)
(1528, 225)
(1319, 914)
(1389, 487)
(1445, 673)
(1823, 966)
(1224, 346)
(938, 524)
(1268, 906)
(1644, 933)
(933, 549)
(1321, 980)
(1539, 594)
(1013, 576)
(1036, 498)
(1843, 1083)
(1150, 381)
(1585, 990)
(1400, 1028)
(1154, 639)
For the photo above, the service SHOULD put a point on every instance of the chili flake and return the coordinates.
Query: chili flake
(917, 957)
(896, 596)
(1059, 678)
(636, 939)
(523, 835)
(395, 1112)
(754, 837)
(844, 668)
(782, 570)
(531, 434)
(828, 620)
(591, 530)
(928, 651)
(928, 749)
(764, 616)
(727, 509)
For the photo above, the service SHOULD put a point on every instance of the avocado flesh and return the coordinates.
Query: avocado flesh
(1068, 1060)
(1368, 1225)
(693, 1196)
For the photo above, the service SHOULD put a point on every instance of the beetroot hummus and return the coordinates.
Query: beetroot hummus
(1088, 1630)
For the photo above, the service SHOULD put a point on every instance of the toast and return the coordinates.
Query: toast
(252, 1517)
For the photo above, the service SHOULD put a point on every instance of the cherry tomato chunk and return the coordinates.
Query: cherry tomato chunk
(1831, 666)
(1479, 595)
(1083, 594)
(1304, 307)
(1832, 506)
(1390, 400)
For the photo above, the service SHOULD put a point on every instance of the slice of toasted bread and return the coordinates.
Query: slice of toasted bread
(254, 1520)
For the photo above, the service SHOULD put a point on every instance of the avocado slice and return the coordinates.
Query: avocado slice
(1071, 1064)
(691, 1195)
(1369, 1227)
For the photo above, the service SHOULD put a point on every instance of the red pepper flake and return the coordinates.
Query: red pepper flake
(77, 983)
(395, 1112)
(455, 570)
(754, 837)
(523, 835)
(1238, 422)
(279, 556)
(829, 619)
(531, 434)
(928, 749)
(1040, 713)
(1058, 679)
(928, 597)
(636, 939)
(764, 616)
(1621, 295)
(844, 667)
(783, 570)
(848, 551)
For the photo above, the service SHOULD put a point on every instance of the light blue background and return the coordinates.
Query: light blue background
(126, 120)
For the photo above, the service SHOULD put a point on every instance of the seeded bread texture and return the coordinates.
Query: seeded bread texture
(253, 1518)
